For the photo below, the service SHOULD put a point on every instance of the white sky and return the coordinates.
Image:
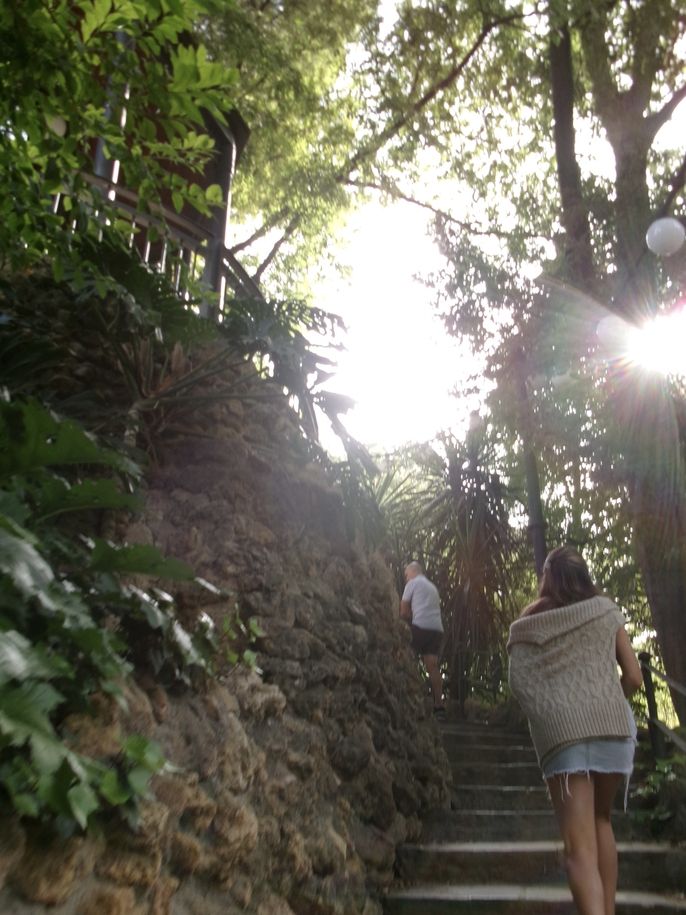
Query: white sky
(399, 364)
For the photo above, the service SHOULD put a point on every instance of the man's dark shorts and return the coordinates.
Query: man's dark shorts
(426, 641)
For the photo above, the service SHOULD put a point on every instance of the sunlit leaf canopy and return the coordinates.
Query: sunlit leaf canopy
(451, 107)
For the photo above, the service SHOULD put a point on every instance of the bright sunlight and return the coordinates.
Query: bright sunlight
(659, 344)
(399, 364)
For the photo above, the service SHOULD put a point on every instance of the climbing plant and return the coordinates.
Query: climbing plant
(127, 74)
(71, 627)
(99, 360)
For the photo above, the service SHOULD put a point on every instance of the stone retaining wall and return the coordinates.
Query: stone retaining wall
(292, 785)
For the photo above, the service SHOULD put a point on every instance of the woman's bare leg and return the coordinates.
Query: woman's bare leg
(573, 798)
(606, 785)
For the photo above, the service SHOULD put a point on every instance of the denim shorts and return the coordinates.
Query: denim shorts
(593, 756)
(597, 755)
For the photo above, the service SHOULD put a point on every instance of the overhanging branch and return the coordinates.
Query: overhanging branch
(397, 194)
(288, 232)
(392, 129)
(660, 118)
(270, 224)
(593, 31)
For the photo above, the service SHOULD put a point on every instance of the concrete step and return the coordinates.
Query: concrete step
(493, 825)
(510, 797)
(482, 734)
(498, 851)
(511, 774)
(488, 825)
(509, 899)
(642, 865)
(458, 751)
(491, 797)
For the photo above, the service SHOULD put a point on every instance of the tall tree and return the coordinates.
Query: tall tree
(631, 117)
(612, 72)
(516, 106)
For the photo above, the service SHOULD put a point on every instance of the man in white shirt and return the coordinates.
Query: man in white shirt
(420, 605)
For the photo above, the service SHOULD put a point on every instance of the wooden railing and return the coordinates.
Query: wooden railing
(659, 732)
(181, 248)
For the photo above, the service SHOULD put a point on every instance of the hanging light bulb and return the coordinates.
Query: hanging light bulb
(665, 236)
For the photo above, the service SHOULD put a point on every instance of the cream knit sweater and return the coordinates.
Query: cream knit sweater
(563, 672)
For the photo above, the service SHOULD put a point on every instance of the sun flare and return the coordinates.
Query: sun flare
(660, 345)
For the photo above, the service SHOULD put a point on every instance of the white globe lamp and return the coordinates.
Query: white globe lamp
(665, 236)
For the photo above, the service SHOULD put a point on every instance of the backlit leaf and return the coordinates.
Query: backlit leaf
(140, 558)
(83, 801)
(29, 572)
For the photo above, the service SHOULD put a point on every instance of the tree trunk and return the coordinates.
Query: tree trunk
(537, 523)
(650, 434)
(636, 291)
(660, 532)
(641, 407)
(647, 432)
(664, 578)
(574, 214)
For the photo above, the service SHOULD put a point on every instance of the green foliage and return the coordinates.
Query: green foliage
(100, 345)
(296, 94)
(363, 494)
(69, 69)
(448, 508)
(116, 348)
(99, 360)
(653, 781)
(69, 627)
(273, 333)
(603, 434)
(660, 796)
(237, 636)
(474, 555)
(33, 439)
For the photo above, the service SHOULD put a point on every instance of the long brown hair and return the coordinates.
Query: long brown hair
(565, 580)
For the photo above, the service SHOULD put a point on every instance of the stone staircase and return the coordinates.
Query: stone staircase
(498, 850)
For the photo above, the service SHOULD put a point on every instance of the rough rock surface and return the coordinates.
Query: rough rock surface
(293, 784)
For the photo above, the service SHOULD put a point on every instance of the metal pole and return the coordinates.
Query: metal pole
(657, 742)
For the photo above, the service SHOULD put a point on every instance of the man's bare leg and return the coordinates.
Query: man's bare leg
(431, 664)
